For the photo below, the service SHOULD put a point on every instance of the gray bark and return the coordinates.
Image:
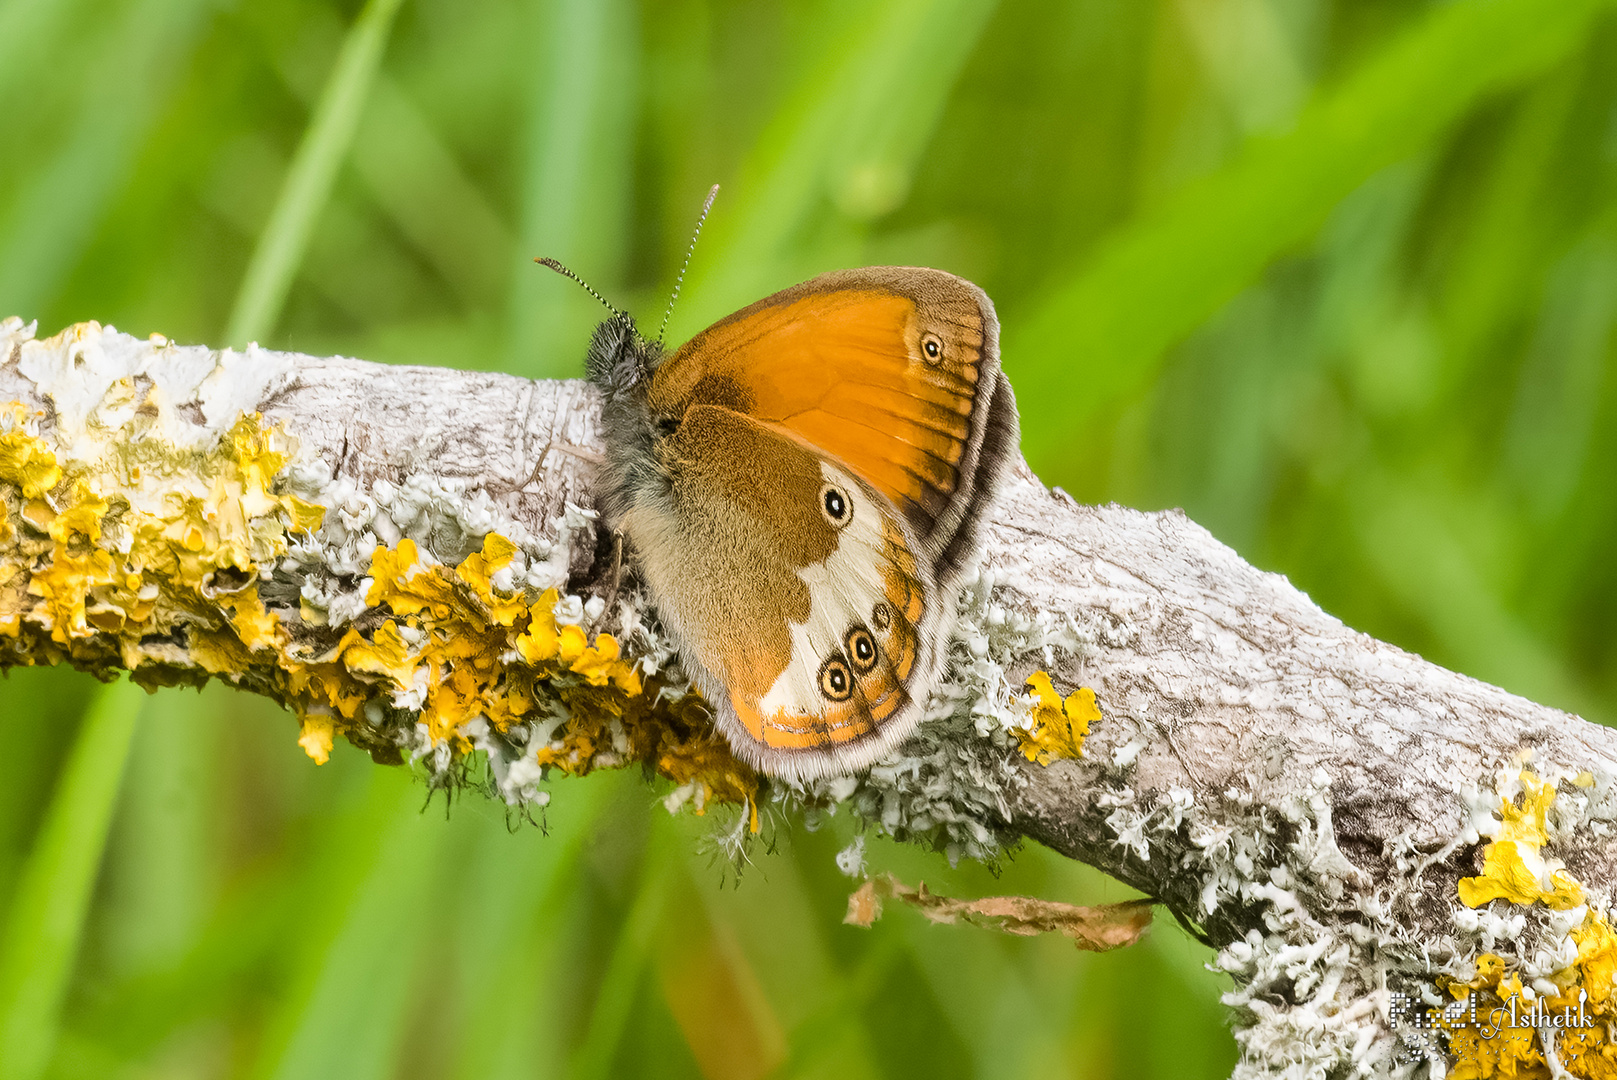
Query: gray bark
(1307, 795)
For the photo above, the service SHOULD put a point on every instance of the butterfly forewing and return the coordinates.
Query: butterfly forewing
(882, 369)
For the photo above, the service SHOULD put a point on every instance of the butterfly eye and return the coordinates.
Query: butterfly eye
(881, 616)
(932, 346)
(862, 649)
(834, 501)
(836, 681)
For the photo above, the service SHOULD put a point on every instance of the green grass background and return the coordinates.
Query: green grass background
(1337, 276)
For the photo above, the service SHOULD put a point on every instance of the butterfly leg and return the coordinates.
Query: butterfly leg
(539, 464)
(538, 467)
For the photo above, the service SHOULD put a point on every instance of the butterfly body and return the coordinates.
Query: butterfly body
(800, 486)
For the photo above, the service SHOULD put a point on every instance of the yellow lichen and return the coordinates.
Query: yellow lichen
(482, 652)
(253, 623)
(130, 546)
(1494, 1032)
(152, 557)
(315, 735)
(480, 567)
(63, 586)
(672, 734)
(1499, 1028)
(1056, 728)
(1514, 867)
(466, 631)
(122, 555)
(25, 461)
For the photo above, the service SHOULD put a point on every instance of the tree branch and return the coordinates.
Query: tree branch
(375, 548)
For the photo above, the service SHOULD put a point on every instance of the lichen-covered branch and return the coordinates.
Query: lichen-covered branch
(406, 558)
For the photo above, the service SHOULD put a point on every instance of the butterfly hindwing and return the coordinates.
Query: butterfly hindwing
(856, 661)
(796, 591)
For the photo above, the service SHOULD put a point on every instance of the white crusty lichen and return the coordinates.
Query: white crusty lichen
(949, 785)
(446, 519)
(417, 615)
(154, 520)
(1307, 1000)
(1342, 975)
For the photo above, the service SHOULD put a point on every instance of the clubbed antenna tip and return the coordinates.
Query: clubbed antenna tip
(545, 260)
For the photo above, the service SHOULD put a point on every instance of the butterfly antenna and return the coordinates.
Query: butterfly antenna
(566, 273)
(701, 220)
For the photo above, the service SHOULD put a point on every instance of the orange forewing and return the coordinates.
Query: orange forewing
(840, 363)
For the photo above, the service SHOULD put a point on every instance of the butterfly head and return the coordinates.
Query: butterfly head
(619, 358)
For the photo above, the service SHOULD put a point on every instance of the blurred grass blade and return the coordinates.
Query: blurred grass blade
(1416, 549)
(576, 195)
(309, 180)
(416, 179)
(160, 867)
(517, 902)
(40, 715)
(247, 929)
(346, 1012)
(61, 202)
(46, 921)
(1101, 336)
(711, 987)
(892, 110)
(834, 1038)
(748, 972)
(40, 23)
(1500, 258)
(628, 963)
(851, 134)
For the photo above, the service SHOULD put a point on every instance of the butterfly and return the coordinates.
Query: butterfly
(801, 486)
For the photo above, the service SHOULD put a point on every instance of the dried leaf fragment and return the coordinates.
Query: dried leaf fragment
(1096, 929)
